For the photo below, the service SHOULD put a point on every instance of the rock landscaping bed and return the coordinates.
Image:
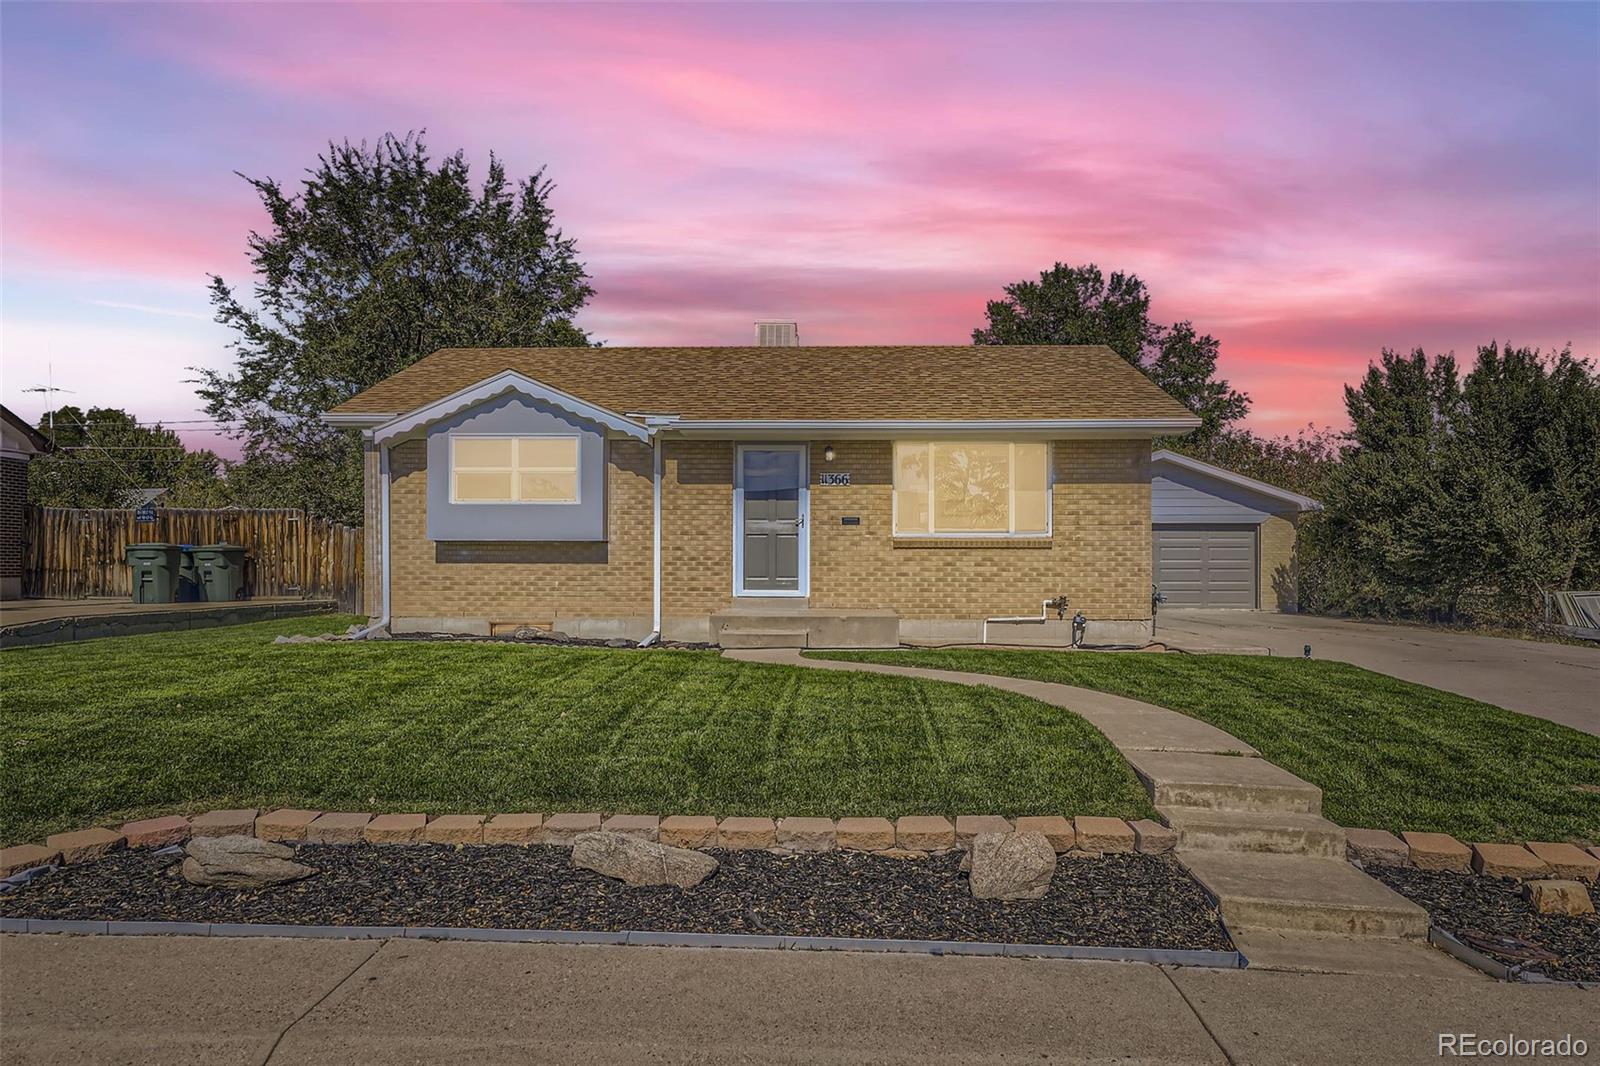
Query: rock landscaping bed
(1497, 917)
(1117, 900)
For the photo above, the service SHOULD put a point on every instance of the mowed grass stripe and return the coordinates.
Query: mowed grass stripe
(100, 731)
(1387, 754)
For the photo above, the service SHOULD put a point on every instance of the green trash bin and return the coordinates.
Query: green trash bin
(188, 589)
(155, 572)
(221, 571)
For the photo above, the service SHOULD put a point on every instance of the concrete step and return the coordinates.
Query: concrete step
(1222, 782)
(1279, 832)
(822, 627)
(1305, 894)
(762, 638)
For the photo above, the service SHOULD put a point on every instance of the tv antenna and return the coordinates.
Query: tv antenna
(49, 389)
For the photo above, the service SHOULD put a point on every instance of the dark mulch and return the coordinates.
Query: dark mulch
(1124, 901)
(1490, 915)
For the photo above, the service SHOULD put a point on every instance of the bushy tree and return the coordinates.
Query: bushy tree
(104, 454)
(1465, 498)
(379, 258)
(1080, 305)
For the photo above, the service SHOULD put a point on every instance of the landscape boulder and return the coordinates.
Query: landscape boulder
(1558, 897)
(1012, 865)
(639, 862)
(240, 862)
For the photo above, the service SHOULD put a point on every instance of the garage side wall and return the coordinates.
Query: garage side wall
(1279, 583)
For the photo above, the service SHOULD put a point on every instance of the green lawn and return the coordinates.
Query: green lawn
(101, 730)
(1387, 754)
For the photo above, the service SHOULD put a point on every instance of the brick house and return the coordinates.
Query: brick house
(764, 495)
(19, 443)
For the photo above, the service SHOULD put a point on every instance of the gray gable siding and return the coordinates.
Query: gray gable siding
(1178, 495)
(513, 414)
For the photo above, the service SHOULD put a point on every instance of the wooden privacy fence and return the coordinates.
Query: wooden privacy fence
(71, 554)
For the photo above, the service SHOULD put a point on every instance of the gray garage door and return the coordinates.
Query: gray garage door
(1206, 566)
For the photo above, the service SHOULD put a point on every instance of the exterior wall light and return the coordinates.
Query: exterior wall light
(827, 453)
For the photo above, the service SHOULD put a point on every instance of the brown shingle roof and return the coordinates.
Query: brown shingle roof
(812, 383)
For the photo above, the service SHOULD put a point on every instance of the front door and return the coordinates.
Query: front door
(770, 501)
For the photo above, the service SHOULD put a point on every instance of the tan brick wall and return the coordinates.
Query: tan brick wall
(1278, 583)
(521, 581)
(1099, 554)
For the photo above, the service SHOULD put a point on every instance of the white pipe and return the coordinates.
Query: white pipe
(1044, 616)
(655, 545)
(383, 535)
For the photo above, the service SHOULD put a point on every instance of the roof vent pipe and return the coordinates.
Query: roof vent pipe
(777, 334)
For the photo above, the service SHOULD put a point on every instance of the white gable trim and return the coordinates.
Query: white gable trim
(505, 382)
(1184, 462)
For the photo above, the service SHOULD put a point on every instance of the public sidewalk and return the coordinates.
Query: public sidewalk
(103, 999)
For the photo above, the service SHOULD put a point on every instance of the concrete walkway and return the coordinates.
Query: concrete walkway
(134, 1000)
(1250, 832)
(1557, 682)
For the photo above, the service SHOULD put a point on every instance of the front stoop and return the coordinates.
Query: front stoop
(1279, 832)
(762, 638)
(1303, 894)
(801, 626)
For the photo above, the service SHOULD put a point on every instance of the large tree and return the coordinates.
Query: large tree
(104, 457)
(379, 258)
(1080, 305)
(1465, 497)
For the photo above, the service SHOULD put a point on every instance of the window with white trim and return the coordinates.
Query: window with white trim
(493, 469)
(971, 488)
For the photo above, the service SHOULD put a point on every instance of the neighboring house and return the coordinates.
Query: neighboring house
(1223, 539)
(19, 443)
(772, 494)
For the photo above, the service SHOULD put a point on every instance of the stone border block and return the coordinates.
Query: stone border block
(157, 832)
(864, 834)
(1567, 862)
(285, 824)
(230, 823)
(454, 829)
(924, 833)
(563, 829)
(1055, 828)
(338, 827)
(643, 826)
(521, 829)
(20, 857)
(395, 829)
(84, 845)
(1507, 860)
(1107, 836)
(969, 826)
(745, 833)
(689, 831)
(1376, 847)
(921, 832)
(1152, 838)
(1438, 851)
(807, 834)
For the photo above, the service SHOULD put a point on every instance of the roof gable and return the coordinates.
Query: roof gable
(1233, 487)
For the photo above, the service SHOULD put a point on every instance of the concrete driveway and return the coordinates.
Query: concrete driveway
(1558, 682)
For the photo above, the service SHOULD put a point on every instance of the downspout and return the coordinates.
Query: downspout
(655, 543)
(383, 541)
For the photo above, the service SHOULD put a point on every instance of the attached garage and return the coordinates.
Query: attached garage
(1222, 540)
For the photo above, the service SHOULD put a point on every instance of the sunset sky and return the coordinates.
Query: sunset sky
(1308, 183)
